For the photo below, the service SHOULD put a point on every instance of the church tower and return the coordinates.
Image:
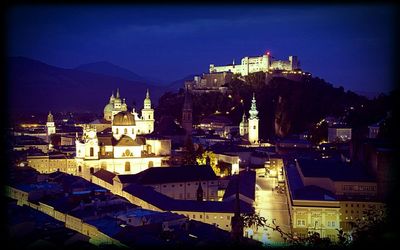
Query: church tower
(244, 125)
(187, 113)
(253, 122)
(51, 128)
(148, 113)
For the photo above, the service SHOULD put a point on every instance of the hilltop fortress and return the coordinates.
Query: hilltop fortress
(254, 64)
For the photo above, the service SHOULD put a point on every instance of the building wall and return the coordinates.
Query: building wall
(316, 218)
(351, 211)
(45, 165)
(253, 131)
(221, 220)
(188, 190)
(119, 131)
(343, 134)
(159, 147)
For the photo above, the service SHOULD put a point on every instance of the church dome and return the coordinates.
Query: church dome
(124, 118)
(108, 108)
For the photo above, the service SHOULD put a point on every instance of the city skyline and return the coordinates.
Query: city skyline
(337, 43)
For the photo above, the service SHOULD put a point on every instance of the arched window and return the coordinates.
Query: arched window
(91, 151)
(151, 164)
(79, 169)
(127, 166)
(116, 131)
(149, 117)
(133, 131)
(91, 170)
(125, 131)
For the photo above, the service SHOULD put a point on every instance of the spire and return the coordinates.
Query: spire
(187, 104)
(199, 192)
(147, 100)
(253, 110)
(233, 62)
(112, 97)
(50, 117)
(117, 93)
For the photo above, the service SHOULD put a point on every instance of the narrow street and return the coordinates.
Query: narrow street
(271, 205)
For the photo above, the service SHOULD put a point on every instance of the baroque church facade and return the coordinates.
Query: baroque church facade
(124, 148)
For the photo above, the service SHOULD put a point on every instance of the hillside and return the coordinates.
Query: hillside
(36, 86)
(285, 106)
(107, 68)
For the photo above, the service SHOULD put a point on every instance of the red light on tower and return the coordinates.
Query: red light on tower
(267, 53)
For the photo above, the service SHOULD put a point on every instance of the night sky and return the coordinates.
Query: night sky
(350, 45)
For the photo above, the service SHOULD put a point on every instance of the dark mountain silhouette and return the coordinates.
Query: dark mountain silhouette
(107, 68)
(35, 86)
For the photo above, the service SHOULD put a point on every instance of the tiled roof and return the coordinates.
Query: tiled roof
(157, 175)
(247, 185)
(105, 175)
(333, 169)
(166, 203)
(128, 141)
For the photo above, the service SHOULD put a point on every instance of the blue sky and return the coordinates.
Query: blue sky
(347, 45)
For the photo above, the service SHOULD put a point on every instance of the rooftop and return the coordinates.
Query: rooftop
(300, 192)
(333, 169)
(170, 174)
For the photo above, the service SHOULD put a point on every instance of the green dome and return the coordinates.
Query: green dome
(108, 108)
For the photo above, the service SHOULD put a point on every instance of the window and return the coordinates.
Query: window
(206, 216)
(151, 164)
(133, 131)
(165, 186)
(127, 166)
(201, 216)
(125, 131)
(149, 117)
(180, 185)
(254, 127)
(91, 151)
(194, 216)
(117, 131)
(172, 185)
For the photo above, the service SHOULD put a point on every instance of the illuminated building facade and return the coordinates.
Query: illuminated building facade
(262, 63)
(121, 151)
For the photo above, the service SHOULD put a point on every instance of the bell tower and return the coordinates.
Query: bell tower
(253, 122)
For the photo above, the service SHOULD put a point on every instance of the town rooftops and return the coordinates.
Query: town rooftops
(332, 169)
(170, 174)
(166, 203)
(105, 175)
(220, 119)
(300, 192)
(247, 185)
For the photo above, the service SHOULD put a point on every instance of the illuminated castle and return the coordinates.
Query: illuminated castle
(262, 63)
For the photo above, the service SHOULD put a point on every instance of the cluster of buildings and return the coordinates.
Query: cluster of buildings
(123, 178)
(99, 217)
(218, 76)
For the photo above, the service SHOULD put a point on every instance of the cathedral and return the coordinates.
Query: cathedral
(250, 126)
(123, 148)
